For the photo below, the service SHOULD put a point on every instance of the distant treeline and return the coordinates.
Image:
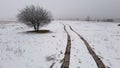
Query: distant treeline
(93, 19)
(6, 21)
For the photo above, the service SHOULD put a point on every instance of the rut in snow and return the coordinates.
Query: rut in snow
(98, 61)
(66, 59)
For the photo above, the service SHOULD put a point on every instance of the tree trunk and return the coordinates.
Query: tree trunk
(34, 25)
(37, 26)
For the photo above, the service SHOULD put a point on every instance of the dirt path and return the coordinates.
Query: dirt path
(52, 65)
(98, 61)
(66, 59)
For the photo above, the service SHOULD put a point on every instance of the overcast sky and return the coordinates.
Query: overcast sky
(64, 8)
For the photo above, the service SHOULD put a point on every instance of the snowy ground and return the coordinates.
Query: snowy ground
(104, 38)
(24, 50)
(21, 50)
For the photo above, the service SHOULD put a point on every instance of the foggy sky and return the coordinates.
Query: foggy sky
(64, 8)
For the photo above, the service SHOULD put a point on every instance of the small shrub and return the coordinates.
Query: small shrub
(118, 24)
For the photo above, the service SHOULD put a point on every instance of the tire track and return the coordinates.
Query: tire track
(52, 65)
(66, 59)
(98, 61)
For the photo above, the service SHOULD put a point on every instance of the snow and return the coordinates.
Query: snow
(24, 50)
(21, 50)
(79, 53)
(104, 38)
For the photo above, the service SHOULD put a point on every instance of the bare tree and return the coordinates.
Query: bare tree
(34, 16)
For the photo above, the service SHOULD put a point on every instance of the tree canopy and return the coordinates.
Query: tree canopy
(34, 16)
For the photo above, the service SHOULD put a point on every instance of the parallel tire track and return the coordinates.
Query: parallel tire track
(66, 59)
(98, 61)
(52, 65)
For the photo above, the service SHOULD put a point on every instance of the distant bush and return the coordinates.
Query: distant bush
(34, 16)
(118, 24)
(108, 20)
(88, 18)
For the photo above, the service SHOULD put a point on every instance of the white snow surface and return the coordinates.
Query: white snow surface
(104, 38)
(19, 49)
(24, 50)
(80, 57)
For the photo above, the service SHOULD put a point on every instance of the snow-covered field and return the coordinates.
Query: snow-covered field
(19, 49)
(104, 38)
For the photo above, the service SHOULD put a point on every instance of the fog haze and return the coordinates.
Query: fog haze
(64, 8)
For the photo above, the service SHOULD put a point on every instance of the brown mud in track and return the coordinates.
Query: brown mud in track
(98, 61)
(52, 65)
(66, 59)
